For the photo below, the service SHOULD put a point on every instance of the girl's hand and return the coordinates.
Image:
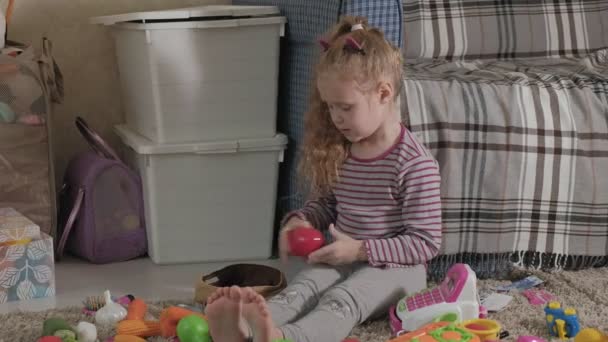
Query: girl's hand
(284, 249)
(344, 250)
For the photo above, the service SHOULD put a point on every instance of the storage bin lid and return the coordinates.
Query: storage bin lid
(143, 145)
(202, 13)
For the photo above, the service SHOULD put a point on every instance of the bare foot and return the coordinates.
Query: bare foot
(257, 316)
(224, 310)
(215, 295)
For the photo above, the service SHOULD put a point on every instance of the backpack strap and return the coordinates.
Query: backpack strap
(95, 141)
(70, 223)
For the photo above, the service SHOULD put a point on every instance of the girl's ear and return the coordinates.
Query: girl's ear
(386, 92)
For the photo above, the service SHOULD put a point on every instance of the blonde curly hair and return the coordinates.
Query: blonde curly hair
(325, 148)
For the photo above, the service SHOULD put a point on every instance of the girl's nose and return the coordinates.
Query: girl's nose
(338, 119)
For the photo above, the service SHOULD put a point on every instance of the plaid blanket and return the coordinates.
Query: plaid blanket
(488, 29)
(522, 146)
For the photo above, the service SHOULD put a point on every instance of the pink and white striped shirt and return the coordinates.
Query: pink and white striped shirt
(392, 202)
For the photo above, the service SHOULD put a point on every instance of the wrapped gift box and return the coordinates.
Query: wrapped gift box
(27, 268)
(15, 227)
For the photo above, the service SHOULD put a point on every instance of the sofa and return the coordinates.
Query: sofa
(512, 99)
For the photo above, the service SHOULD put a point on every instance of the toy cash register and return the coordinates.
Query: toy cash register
(456, 294)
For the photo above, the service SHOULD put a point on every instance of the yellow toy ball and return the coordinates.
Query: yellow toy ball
(590, 335)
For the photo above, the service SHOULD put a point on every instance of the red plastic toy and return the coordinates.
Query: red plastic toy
(49, 339)
(304, 240)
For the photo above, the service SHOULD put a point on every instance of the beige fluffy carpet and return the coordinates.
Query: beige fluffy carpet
(587, 291)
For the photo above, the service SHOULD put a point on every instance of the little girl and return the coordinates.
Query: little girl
(377, 192)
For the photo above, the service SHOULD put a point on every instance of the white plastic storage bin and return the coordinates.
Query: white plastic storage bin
(200, 73)
(207, 201)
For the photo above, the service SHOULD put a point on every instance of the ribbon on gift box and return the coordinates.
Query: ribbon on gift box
(16, 242)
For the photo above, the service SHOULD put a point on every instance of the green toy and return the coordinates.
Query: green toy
(53, 324)
(450, 317)
(193, 328)
(66, 335)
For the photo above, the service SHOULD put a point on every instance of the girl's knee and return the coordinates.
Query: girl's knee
(340, 302)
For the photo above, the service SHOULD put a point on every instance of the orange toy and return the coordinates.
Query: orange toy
(171, 316)
(128, 338)
(137, 309)
(139, 328)
(437, 332)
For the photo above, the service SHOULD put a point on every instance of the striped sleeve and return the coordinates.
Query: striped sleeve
(420, 237)
(320, 213)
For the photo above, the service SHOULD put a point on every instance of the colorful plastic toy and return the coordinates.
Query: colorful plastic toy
(450, 317)
(562, 323)
(86, 332)
(111, 312)
(193, 328)
(66, 335)
(93, 303)
(53, 324)
(530, 339)
(486, 329)
(49, 339)
(170, 317)
(457, 294)
(304, 240)
(590, 335)
(438, 332)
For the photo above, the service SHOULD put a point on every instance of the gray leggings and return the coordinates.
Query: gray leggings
(325, 303)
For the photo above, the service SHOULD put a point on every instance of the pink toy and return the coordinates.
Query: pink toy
(304, 240)
(530, 339)
(456, 294)
(538, 297)
(49, 339)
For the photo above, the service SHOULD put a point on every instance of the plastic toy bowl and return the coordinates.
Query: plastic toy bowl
(486, 329)
(304, 240)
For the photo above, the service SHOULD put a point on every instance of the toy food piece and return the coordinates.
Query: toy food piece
(51, 325)
(128, 338)
(139, 328)
(170, 317)
(137, 309)
(590, 335)
(66, 335)
(530, 339)
(193, 328)
(304, 240)
(86, 332)
(111, 313)
(124, 300)
(92, 304)
(486, 329)
(456, 294)
(49, 339)
(438, 332)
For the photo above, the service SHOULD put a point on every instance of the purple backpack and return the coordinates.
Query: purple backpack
(101, 205)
